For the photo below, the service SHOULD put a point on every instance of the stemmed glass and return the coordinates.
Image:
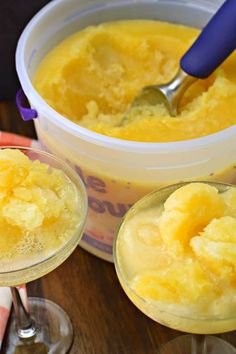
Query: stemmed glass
(43, 327)
(199, 326)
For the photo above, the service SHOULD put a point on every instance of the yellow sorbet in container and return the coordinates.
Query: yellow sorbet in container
(176, 257)
(39, 210)
(93, 76)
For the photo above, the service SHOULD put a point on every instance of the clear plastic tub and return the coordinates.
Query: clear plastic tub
(117, 173)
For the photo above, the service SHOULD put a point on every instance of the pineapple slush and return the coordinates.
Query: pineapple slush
(39, 212)
(177, 258)
(92, 77)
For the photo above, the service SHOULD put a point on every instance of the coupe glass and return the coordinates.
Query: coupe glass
(42, 326)
(198, 341)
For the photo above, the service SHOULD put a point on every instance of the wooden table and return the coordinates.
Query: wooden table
(104, 320)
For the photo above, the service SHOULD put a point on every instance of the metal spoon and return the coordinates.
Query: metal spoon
(215, 43)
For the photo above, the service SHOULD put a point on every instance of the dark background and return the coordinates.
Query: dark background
(14, 15)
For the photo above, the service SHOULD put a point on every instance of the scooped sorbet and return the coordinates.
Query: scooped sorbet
(181, 256)
(93, 76)
(39, 210)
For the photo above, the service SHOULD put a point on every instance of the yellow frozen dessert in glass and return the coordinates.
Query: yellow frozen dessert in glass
(43, 207)
(93, 76)
(40, 212)
(176, 256)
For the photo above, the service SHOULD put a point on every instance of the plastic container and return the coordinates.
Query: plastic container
(117, 173)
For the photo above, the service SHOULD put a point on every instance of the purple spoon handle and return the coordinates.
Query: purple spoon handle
(215, 43)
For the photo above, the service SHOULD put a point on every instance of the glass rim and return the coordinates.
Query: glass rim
(83, 193)
(118, 268)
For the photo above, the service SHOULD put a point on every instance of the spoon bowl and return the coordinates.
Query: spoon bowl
(168, 94)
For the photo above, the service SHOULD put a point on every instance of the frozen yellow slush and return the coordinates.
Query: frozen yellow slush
(177, 257)
(92, 77)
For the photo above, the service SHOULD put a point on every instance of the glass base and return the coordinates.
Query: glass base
(186, 345)
(54, 332)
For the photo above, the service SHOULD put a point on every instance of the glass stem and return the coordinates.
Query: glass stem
(198, 344)
(25, 325)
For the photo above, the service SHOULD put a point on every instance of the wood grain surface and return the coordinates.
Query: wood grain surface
(104, 320)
